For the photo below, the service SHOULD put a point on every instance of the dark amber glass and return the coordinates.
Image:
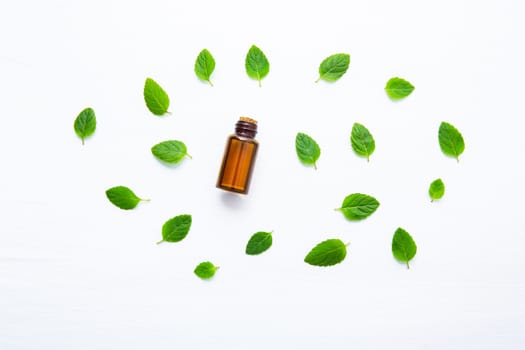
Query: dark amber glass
(239, 158)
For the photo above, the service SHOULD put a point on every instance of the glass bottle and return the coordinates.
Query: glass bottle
(239, 157)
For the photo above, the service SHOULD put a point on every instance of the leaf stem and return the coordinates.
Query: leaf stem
(318, 79)
(145, 199)
(408, 266)
(209, 81)
(82, 140)
(189, 156)
(159, 242)
(315, 166)
(259, 82)
(347, 244)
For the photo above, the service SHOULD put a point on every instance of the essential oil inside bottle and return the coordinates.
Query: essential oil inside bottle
(239, 157)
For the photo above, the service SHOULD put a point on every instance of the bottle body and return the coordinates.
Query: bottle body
(239, 158)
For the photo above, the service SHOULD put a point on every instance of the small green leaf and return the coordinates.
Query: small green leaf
(333, 67)
(450, 140)
(398, 88)
(357, 206)
(85, 123)
(123, 197)
(204, 65)
(205, 270)
(362, 141)
(171, 151)
(436, 189)
(307, 149)
(176, 229)
(327, 253)
(157, 100)
(403, 246)
(257, 65)
(259, 242)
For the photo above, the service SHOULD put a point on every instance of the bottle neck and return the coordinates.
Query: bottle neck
(246, 129)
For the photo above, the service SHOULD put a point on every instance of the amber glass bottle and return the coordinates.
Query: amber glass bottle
(239, 157)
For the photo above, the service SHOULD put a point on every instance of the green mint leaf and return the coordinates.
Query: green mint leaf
(450, 140)
(259, 242)
(398, 88)
(85, 123)
(123, 197)
(257, 65)
(403, 246)
(333, 67)
(307, 149)
(358, 206)
(205, 270)
(327, 253)
(204, 66)
(157, 100)
(436, 189)
(176, 229)
(171, 151)
(362, 141)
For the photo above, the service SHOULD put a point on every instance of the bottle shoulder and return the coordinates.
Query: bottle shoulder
(243, 139)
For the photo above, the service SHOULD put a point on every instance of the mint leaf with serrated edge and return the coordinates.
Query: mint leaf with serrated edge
(204, 66)
(85, 123)
(123, 197)
(176, 228)
(403, 246)
(171, 151)
(205, 270)
(450, 140)
(398, 88)
(157, 100)
(256, 64)
(307, 149)
(362, 141)
(358, 206)
(334, 67)
(436, 189)
(327, 253)
(259, 242)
